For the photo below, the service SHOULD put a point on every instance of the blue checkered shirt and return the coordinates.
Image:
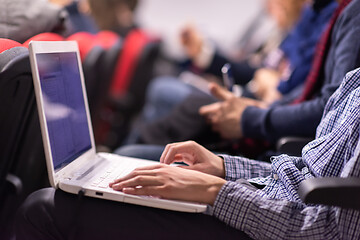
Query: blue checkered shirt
(276, 211)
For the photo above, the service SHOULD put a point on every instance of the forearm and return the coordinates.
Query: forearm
(263, 218)
(291, 120)
(239, 167)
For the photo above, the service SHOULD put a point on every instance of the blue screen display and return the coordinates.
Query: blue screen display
(64, 106)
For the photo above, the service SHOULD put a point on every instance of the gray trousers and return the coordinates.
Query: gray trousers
(53, 214)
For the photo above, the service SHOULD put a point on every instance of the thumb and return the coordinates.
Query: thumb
(220, 92)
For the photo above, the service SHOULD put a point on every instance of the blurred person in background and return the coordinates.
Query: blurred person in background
(287, 66)
(22, 19)
(80, 17)
(114, 15)
(239, 121)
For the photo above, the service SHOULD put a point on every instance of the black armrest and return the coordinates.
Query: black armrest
(292, 145)
(333, 191)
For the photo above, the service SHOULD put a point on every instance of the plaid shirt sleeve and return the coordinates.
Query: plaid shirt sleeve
(276, 211)
(239, 167)
(264, 218)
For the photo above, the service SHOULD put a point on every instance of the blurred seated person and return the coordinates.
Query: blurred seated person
(91, 15)
(80, 17)
(165, 92)
(264, 33)
(206, 59)
(235, 118)
(114, 15)
(25, 19)
(290, 62)
(22, 19)
(294, 54)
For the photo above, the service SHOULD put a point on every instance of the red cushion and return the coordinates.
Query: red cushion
(125, 66)
(44, 37)
(86, 42)
(106, 39)
(6, 44)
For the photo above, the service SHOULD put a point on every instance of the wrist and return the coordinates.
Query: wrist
(213, 191)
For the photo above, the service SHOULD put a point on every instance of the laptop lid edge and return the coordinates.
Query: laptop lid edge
(36, 47)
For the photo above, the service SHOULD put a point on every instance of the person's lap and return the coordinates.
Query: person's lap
(54, 214)
(164, 93)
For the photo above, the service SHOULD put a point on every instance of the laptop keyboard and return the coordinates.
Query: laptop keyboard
(111, 173)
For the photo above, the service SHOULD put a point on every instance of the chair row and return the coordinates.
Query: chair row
(117, 72)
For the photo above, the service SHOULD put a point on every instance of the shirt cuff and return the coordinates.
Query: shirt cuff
(230, 168)
(233, 203)
(203, 60)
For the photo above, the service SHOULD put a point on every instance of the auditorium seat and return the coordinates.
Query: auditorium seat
(20, 140)
(132, 73)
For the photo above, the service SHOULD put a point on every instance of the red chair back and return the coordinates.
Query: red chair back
(87, 41)
(107, 39)
(124, 70)
(44, 37)
(6, 44)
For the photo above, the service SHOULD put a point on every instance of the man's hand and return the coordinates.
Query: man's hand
(196, 156)
(170, 182)
(264, 85)
(225, 116)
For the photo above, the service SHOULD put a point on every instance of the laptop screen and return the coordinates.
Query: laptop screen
(64, 106)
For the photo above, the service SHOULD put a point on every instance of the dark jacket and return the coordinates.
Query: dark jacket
(302, 119)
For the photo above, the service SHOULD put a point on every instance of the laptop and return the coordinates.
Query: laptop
(72, 162)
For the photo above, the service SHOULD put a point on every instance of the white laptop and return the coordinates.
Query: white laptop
(72, 162)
